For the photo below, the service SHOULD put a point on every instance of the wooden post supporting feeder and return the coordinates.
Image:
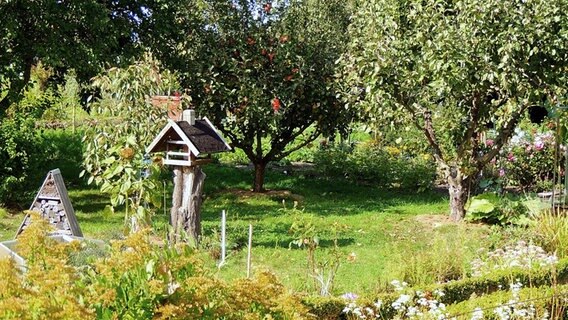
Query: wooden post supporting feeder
(187, 144)
(53, 204)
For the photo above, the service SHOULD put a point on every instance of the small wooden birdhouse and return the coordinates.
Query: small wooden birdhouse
(189, 141)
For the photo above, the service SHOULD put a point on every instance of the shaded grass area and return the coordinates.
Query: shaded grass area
(381, 232)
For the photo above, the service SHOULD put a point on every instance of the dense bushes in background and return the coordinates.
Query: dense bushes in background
(387, 167)
(19, 156)
(27, 152)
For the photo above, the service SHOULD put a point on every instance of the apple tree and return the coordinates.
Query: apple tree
(458, 71)
(263, 72)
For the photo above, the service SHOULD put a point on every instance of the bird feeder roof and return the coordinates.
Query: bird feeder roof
(201, 137)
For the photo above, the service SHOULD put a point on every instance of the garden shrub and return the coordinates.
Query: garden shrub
(46, 289)
(137, 280)
(527, 161)
(542, 300)
(386, 167)
(27, 154)
(63, 149)
(20, 157)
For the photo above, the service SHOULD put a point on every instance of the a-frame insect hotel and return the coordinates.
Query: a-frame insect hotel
(53, 204)
(187, 145)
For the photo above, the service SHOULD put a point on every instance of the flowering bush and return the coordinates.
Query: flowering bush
(527, 161)
(410, 304)
(522, 255)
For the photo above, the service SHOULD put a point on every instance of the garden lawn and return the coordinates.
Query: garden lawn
(382, 234)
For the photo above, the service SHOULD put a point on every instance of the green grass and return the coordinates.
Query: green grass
(384, 229)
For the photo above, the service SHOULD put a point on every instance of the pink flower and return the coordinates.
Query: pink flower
(538, 145)
(528, 149)
(489, 143)
(501, 172)
(511, 157)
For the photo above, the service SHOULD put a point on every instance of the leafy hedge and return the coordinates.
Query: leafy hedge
(455, 292)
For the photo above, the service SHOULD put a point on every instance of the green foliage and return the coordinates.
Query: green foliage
(498, 209)
(83, 35)
(552, 232)
(114, 146)
(135, 281)
(265, 73)
(67, 107)
(451, 69)
(543, 299)
(386, 167)
(18, 155)
(443, 259)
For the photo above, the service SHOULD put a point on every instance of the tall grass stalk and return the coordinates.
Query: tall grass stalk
(552, 231)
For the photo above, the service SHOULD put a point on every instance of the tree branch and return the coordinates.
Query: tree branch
(503, 136)
(310, 139)
(472, 125)
(284, 140)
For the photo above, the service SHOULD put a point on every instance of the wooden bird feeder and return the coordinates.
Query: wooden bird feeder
(187, 144)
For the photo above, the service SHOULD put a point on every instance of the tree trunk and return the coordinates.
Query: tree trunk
(459, 193)
(259, 170)
(192, 221)
(186, 203)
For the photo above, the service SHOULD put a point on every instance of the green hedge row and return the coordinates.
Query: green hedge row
(493, 285)
(542, 299)
(460, 290)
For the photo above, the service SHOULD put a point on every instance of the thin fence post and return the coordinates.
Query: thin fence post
(249, 250)
(223, 237)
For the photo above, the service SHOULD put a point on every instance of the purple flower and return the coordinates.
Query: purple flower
(539, 145)
(350, 296)
(501, 172)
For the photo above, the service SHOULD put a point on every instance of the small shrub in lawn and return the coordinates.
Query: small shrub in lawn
(442, 259)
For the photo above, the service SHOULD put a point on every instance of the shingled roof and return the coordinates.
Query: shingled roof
(201, 137)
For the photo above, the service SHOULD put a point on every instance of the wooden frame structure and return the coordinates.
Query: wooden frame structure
(53, 204)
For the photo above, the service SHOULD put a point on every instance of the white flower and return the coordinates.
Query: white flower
(477, 314)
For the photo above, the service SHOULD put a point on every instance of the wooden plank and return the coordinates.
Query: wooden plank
(176, 142)
(69, 211)
(183, 163)
(177, 153)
